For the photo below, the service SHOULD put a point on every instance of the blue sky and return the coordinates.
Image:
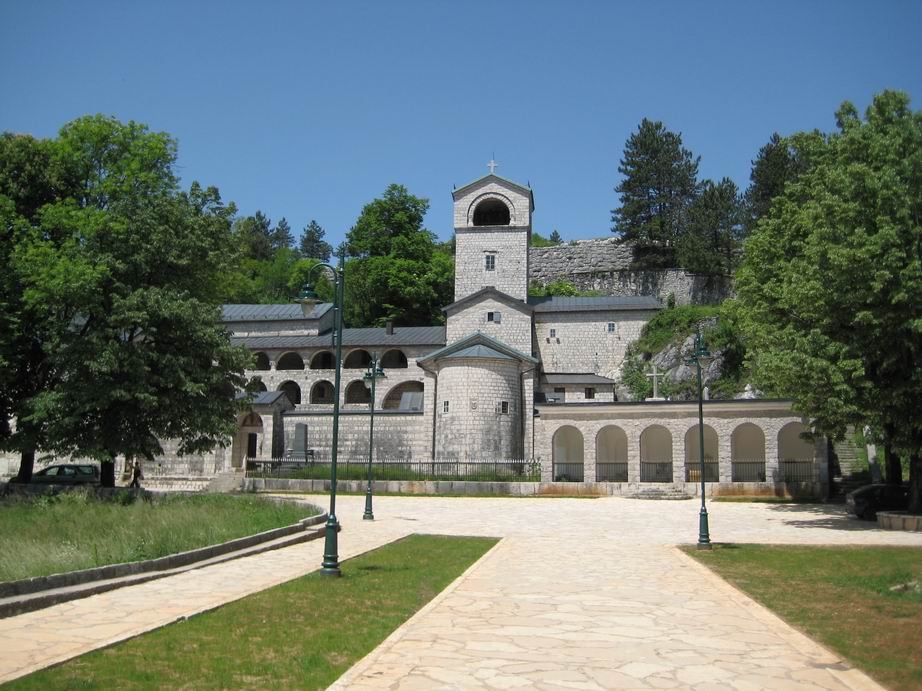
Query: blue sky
(310, 109)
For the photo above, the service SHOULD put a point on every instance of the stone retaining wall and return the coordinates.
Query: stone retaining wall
(604, 265)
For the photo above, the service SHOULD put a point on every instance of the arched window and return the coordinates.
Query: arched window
(322, 392)
(261, 362)
(292, 390)
(406, 395)
(795, 454)
(290, 361)
(747, 453)
(611, 454)
(693, 455)
(260, 385)
(357, 392)
(567, 455)
(357, 359)
(323, 360)
(655, 454)
(491, 212)
(393, 359)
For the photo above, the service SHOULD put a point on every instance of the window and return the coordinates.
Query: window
(495, 317)
(590, 392)
(611, 327)
(444, 406)
(490, 262)
(553, 333)
(504, 407)
(560, 393)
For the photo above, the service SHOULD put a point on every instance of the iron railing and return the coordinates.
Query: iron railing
(403, 469)
(797, 470)
(747, 471)
(611, 472)
(693, 471)
(567, 472)
(656, 471)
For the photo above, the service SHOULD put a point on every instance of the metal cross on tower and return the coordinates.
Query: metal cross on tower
(492, 166)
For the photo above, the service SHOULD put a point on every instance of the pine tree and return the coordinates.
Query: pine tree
(659, 185)
(313, 245)
(555, 238)
(711, 241)
(773, 167)
(281, 237)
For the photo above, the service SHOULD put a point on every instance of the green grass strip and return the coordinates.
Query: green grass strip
(841, 596)
(299, 635)
(43, 535)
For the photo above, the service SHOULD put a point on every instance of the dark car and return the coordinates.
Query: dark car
(866, 501)
(68, 474)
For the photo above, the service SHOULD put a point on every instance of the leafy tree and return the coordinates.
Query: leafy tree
(397, 214)
(712, 239)
(831, 287)
(538, 240)
(115, 287)
(312, 243)
(659, 185)
(399, 272)
(555, 238)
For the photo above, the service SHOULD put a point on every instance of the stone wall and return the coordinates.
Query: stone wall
(397, 436)
(513, 329)
(604, 265)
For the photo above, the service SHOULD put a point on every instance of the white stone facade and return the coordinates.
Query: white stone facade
(500, 319)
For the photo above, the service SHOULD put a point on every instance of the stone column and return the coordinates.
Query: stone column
(589, 454)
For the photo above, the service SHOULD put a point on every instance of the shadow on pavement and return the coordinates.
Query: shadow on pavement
(831, 516)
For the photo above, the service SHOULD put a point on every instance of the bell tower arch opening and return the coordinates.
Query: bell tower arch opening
(491, 212)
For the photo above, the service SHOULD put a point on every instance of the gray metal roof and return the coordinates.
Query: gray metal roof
(526, 189)
(480, 351)
(285, 312)
(474, 339)
(605, 303)
(402, 336)
(490, 291)
(552, 378)
(261, 397)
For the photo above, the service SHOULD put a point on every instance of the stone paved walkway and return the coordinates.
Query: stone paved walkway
(580, 593)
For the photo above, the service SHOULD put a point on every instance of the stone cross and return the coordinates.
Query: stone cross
(492, 166)
(655, 375)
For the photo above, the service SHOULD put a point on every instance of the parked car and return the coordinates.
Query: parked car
(67, 474)
(866, 501)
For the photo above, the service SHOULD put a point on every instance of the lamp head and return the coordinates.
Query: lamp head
(308, 299)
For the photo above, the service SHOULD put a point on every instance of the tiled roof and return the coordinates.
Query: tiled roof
(402, 336)
(604, 303)
(480, 351)
(552, 378)
(284, 312)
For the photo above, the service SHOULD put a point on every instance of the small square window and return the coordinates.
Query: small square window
(504, 407)
(490, 260)
(553, 333)
(444, 406)
(590, 392)
(495, 317)
(611, 327)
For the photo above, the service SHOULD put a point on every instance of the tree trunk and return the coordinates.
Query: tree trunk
(915, 483)
(26, 465)
(107, 473)
(893, 465)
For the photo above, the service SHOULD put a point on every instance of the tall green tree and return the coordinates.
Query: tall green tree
(253, 237)
(659, 185)
(281, 237)
(116, 288)
(313, 246)
(831, 287)
(711, 240)
(775, 164)
(399, 272)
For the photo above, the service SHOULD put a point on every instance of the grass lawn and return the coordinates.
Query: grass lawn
(302, 634)
(74, 530)
(841, 597)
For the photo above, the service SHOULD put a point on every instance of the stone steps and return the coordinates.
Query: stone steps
(230, 481)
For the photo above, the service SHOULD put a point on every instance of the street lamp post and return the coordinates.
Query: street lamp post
(700, 353)
(308, 298)
(372, 375)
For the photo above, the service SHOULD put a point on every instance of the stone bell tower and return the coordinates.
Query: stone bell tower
(492, 219)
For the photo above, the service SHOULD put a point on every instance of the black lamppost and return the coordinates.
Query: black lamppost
(372, 375)
(308, 298)
(701, 353)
